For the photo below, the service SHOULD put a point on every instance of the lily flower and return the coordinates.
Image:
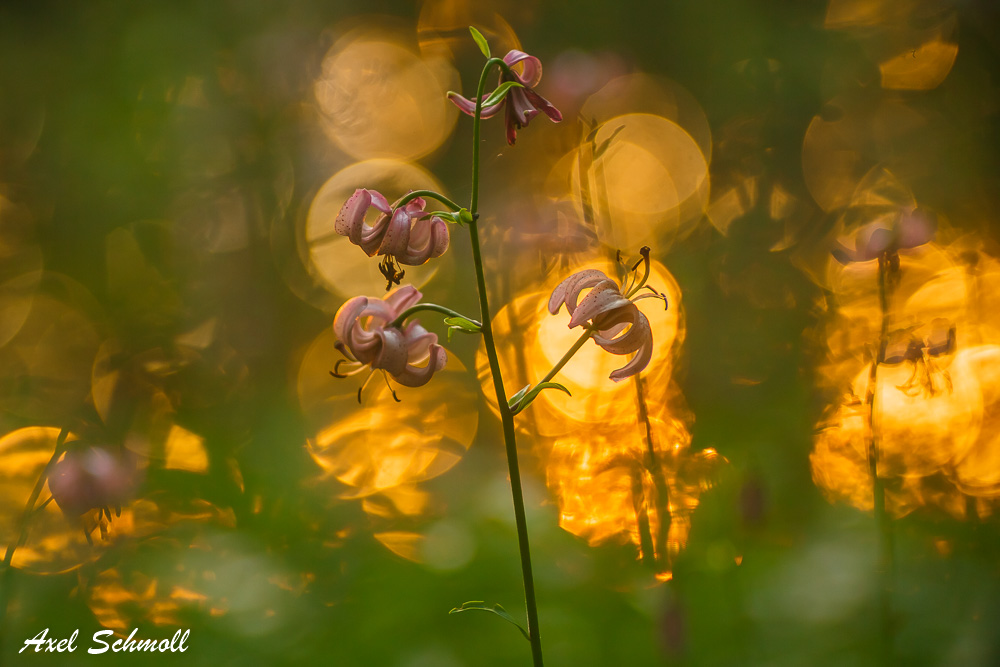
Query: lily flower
(89, 478)
(522, 104)
(407, 235)
(909, 229)
(618, 326)
(367, 338)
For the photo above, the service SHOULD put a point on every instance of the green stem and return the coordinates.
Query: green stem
(398, 322)
(410, 196)
(506, 418)
(882, 519)
(569, 355)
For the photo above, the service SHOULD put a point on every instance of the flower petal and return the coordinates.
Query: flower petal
(639, 334)
(352, 215)
(467, 106)
(392, 355)
(603, 297)
(347, 315)
(568, 291)
(402, 298)
(637, 364)
(416, 376)
(428, 238)
(540, 102)
(397, 234)
(532, 72)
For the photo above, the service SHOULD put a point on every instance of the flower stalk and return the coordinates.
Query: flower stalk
(506, 416)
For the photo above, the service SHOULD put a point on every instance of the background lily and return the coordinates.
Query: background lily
(362, 327)
(522, 103)
(619, 327)
(908, 229)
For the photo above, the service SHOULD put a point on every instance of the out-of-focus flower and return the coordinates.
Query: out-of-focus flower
(909, 229)
(522, 104)
(407, 235)
(362, 327)
(89, 478)
(618, 326)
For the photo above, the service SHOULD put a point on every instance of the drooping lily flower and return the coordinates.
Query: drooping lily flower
(909, 229)
(619, 326)
(89, 478)
(366, 337)
(522, 104)
(404, 236)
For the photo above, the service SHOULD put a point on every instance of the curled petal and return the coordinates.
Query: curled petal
(544, 105)
(417, 376)
(397, 234)
(531, 75)
(467, 106)
(352, 215)
(638, 335)
(392, 356)
(636, 365)
(402, 299)
(604, 297)
(428, 238)
(347, 316)
(568, 291)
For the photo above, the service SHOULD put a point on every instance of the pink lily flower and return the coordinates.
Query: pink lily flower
(910, 229)
(407, 235)
(619, 326)
(89, 478)
(522, 104)
(362, 327)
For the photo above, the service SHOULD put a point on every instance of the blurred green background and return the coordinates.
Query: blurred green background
(169, 174)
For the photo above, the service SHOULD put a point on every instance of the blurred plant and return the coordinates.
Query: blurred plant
(877, 241)
(375, 333)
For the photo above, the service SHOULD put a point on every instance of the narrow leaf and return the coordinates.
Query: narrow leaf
(533, 394)
(516, 398)
(479, 605)
(607, 142)
(463, 324)
(500, 93)
(480, 41)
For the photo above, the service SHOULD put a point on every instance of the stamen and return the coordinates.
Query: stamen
(394, 397)
(391, 271)
(364, 384)
(336, 369)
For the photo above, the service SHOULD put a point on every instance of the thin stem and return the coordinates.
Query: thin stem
(21, 535)
(882, 520)
(410, 196)
(398, 322)
(584, 337)
(506, 418)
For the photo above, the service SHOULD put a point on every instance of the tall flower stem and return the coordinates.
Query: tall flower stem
(506, 418)
(887, 265)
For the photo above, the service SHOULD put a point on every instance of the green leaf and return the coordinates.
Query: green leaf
(607, 142)
(465, 216)
(479, 605)
(514, 400)
(480, 41)
(500, 93)
(463, 324)
(533, 394)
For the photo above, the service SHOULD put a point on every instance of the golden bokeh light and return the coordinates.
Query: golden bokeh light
(443, 27)
(647, 187)
(922, 68)
(379, 99)
(331, 260)
(381, 446)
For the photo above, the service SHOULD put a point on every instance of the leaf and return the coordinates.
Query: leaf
(479, 605)
(607, 142)
(500, 93)
(514, 400)
(463, 324)
(533, 394)
(480, 41)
